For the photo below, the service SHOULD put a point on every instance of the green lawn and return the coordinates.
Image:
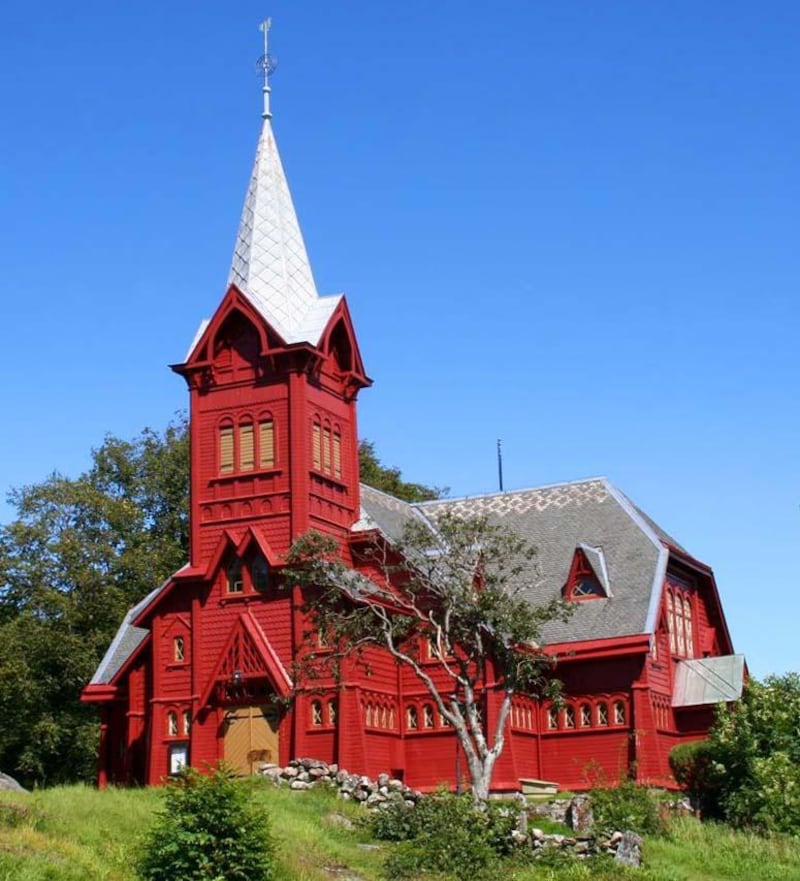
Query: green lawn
(78, 834)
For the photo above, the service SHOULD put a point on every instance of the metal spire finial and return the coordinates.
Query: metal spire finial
(266, 65)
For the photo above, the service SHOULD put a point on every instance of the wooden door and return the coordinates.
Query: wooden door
(251, 738)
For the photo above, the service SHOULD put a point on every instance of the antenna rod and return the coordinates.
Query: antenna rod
(500, 463)
(266, 64)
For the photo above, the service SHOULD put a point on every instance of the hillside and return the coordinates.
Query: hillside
(80, 834)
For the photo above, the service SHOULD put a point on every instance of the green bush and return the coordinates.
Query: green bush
(207, 831)
(755, 746)
(626, 807)
(447, 836)
(695, 769)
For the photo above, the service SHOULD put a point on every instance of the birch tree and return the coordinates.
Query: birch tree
(449, 603)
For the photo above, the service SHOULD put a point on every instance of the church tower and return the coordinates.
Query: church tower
(273, 379)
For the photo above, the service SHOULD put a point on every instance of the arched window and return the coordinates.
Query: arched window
(391, 717)
(316, 445)
(688, 629)
(266, 443)
(602, 714)
(412, 720)
(247, 447)
(235, 581)
(178, 650)
(316, 714)
(427, 716)
(569, 716)
(172, 723)
(187, 721)
(586, 715)
(619, 713)
(337, 454)
(226, 449)
(332, 712)
(368, 715)
(552, 718)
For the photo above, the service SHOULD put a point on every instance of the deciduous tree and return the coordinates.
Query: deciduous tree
(456, 594)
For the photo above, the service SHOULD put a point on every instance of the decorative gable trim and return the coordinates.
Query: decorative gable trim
(248, 653)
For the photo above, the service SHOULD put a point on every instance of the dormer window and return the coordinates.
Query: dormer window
(588, 577)
(235, 579)
(586, 587)
(260, 574)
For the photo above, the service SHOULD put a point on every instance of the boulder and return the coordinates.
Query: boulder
(629, 849)
(9, 783)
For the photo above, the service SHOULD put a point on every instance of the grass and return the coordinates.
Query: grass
(78, 834)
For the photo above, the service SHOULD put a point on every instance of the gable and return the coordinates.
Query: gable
(247, 656)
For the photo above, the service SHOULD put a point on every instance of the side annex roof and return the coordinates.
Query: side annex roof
(556, 519)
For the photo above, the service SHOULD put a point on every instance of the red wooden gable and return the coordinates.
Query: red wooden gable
(247, 655)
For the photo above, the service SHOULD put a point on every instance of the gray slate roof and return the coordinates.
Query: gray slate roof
(557, 519)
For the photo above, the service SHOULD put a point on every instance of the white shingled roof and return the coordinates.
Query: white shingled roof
(270, 264)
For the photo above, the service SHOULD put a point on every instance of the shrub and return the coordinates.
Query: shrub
(207, 831)
(446, 835)
(695, 769)
(755, 745)
(626, 807)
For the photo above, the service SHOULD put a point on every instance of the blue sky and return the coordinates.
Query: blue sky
(568, 224)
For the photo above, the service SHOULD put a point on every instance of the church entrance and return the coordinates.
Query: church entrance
(251, 738)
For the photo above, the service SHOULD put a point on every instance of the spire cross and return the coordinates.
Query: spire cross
(267, 64)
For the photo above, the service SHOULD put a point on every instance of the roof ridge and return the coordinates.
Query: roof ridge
(509, 492)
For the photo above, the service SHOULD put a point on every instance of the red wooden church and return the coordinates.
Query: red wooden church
(202, 668)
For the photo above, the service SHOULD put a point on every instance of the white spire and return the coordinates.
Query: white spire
(270, 265)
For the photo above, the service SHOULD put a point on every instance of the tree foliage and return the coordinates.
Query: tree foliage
(78, 554)
(389, 479)
(755, 749)
(455, 594)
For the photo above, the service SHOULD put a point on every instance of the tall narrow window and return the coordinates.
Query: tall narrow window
(235, 580)
(427, 716)
(260, 574)
(687, 626)
(412, 721)
(317, 446)
(569, 717)
(326, 450)
(552, 718)
(247, 460)
(619, 713)
(337, 454)
(671, 622)
(172, 723)
(316, 713)
(187, 721)
(602, 714)
(368, 715)
(178, 649)
(226, 449)
(266, 444)
(331, 712)
(586, 715)
(679, 634)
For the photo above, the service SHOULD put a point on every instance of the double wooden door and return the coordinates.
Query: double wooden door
(251, 738)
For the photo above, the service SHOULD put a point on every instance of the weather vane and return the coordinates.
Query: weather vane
(266, 65)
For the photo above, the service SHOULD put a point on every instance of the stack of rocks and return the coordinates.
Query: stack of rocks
(301, 774)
